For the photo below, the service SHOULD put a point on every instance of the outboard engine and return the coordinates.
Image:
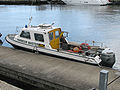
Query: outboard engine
(108, 58)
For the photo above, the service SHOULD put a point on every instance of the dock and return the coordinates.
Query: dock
(52, 73)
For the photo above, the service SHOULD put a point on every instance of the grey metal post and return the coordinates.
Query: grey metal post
(103, 80)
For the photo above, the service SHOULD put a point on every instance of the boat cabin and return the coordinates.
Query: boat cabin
(43, 35)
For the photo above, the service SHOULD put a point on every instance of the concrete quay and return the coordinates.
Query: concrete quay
(6, 86)
(52, 73)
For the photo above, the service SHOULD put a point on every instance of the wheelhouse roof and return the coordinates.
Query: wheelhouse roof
(40, 28)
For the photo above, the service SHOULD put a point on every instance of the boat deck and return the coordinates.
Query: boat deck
(51, 72)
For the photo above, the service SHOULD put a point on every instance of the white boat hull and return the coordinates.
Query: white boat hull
(93, 2)
(105, 59)
(60, 53)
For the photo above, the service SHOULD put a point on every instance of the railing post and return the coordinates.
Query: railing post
(103, 80)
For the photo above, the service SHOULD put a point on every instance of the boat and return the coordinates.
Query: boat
(47, 39)
(92, 2)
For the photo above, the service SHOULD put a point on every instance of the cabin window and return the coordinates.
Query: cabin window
(51, 36)
(56, 34)
(39, 37)
(25, 34)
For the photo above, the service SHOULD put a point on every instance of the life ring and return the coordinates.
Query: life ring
(76, 49)
(85, 46)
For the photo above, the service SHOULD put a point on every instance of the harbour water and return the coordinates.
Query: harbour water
(95, 23)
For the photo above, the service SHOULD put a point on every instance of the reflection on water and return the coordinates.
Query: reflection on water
(99, 23)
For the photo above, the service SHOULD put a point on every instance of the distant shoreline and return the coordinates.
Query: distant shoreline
(28, 2)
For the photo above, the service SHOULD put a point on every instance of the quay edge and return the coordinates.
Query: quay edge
(50, 72)
(4, 85)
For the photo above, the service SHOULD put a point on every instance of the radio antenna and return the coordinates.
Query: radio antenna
(30, 20)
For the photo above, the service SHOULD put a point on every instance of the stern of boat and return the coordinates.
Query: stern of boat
(107, 60)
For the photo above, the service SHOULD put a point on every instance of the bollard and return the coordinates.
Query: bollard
(103, 80)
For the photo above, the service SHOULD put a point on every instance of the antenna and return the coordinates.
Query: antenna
(30, 20)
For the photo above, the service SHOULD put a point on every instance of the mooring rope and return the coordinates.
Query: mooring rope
(113, 80)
